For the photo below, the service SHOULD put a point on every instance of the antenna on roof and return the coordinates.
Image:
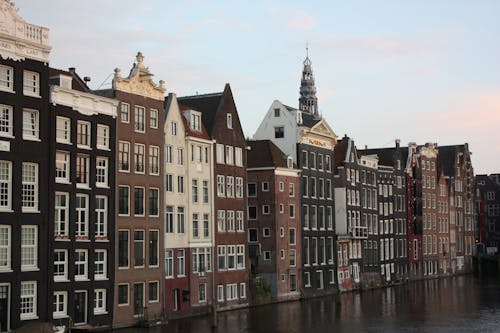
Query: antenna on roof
(104, 82)
(307, 49)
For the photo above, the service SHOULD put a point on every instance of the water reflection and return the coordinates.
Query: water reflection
(458, 304)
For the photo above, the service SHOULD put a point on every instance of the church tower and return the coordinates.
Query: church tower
(308, 101)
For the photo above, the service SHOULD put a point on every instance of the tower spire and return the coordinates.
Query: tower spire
(308, 101)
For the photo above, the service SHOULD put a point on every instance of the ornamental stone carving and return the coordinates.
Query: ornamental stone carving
(139, 81)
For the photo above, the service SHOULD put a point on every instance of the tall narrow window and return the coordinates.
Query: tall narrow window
(153, 118)
(82, 170)
(81, 265)
(100, 265)
(60, 265)
(29, 247)
(230, 187)
(28, 300)
(139, 158)
(123, 156)
(194, 190)
(169, 263)
(101, 216)
(153, 248)
(101, 172)
(238, 154)
(123, 200)
(154, 160)
(30, 187)
(205, 191)
(196, 233)
(139, 118)
(102, 136)
(63, 130)
(169, 219)
(180, 220)
(229, 121)
(239, 187)
(206, 226)
(125, 113)
(139, 201)
(123, 248)
(6, 119)
(99, 301)
(82, 216)
(6, 78)
(138, 248)
(153, 202)
(5, 245)
(61, 215)
(30, 124)
(83, 134)
(181, 263)
(31, 83)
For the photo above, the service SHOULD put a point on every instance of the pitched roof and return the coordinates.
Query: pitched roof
(208, 104)
(309, 120)
(264, 153)
(202, 135)
(386, 155)
(76, 84)
(447, 158)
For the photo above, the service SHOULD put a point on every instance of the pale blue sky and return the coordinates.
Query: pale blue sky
(424, 71)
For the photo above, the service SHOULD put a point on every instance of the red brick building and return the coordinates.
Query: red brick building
(274, 226)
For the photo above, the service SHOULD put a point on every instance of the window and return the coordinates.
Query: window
(243, 290)
(196, 233)
(60, 304)
(205, 191)
(266, 209)
(153, 260)
(231, 292)
(220, 153)
(153, 118)
(181, 263)
(240, 256)
(292, 257)
(139, 201)
(265, 186)
(279, 132)
(30, 124)
(220, 293)
(202, 292)
(62, 167)
(123, 294)
(28, 300)
(252, 212)
(5, 245)
(82, 216)
(154, 202)
(154, 160)
(101, 171)
(101, 216)
(180, 220)
(103, 137)
(100, 272)
(221, 257)
(169, 154)
(138, 248)
(169, 263)
(99, 301)
(169, 219)
(139, 158)
(123, 200)
(6, 120)
(31, 83)
(194, 190)
(230, 220)
(238, 154)
(277, 112)
(252, 189)
(63, 130)
(220, 186)
(124, 156)
(195, 122)
(169, 183)
(230, 187)
(293, 236)
(292, 211)
(82, 170)
(139, 113)
(291, 189)
(123, 248)
(125, 113)
(229, 155)
(153, 294)
(267, 255)
(6, 78)
(29, 195)
(229, 119)
(81, 268)
(239, 187)
(83, 133)
(60, 265)
(221, 220)
(206, 230)
(239, 221)
(61, 214)
(29, 247)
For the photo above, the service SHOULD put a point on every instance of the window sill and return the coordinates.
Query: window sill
(61, 280)
(30, 269)
(60, 316)
(102, 240)
(32, 139)
(62, 238)
(105, 186)
(81, 279)
(83, 186)
(29, 317)
(25, 93)
(123, 268)
(83, 147)
(96, 278)
(7, 136)
(153, 302)
(63, 181)
(6, 210)
(29, 211)
(96, 313)
(125, 171)
(3, 270)
(64, 142)
(103, 148)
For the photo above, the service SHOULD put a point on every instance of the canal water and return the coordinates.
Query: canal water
(455, 304)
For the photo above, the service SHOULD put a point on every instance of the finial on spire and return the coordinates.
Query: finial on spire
(307, 49)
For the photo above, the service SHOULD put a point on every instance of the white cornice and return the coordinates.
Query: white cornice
(85, 103)
(20, 40)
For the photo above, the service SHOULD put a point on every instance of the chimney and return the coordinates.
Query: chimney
(397, 142)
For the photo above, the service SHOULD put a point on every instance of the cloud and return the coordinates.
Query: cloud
(299, 20)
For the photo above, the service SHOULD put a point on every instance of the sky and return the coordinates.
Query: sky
(420, 71)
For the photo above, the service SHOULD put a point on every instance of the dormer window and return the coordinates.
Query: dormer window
(277, 112)
(289, 162)
(196, 122)
(65, 81)
(229, 121)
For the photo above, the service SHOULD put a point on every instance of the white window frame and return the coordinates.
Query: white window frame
(29, 191)
(238, 156)
(101, 217)
(118, 294)
(101, 274)
(157, 297)
(29, 248)
(103, 136)
(61, 211)
(220, 293)
(28, 304)
(229, 121)
(64, 264)
(101, 165)
(6, 120)
(5, 248)
(31, 83)
(169, 263)
(154, 160)
(153, 118)
(100, 301)
(85, 263)
(83, 140)
(63, 130)
(123, 155)
(31, 124)
(125, 113)
(82, 216)
(60, 299)
(5, 185)
(139, 158)
(6, 78)
(83, 170)
(139, 119)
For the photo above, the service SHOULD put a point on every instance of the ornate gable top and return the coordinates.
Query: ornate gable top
(19, 39)
(139, 81)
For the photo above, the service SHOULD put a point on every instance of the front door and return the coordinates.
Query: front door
(80, 307)
(138, 298)
(4, 308)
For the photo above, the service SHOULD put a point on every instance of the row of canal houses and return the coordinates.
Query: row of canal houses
(126, 205)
